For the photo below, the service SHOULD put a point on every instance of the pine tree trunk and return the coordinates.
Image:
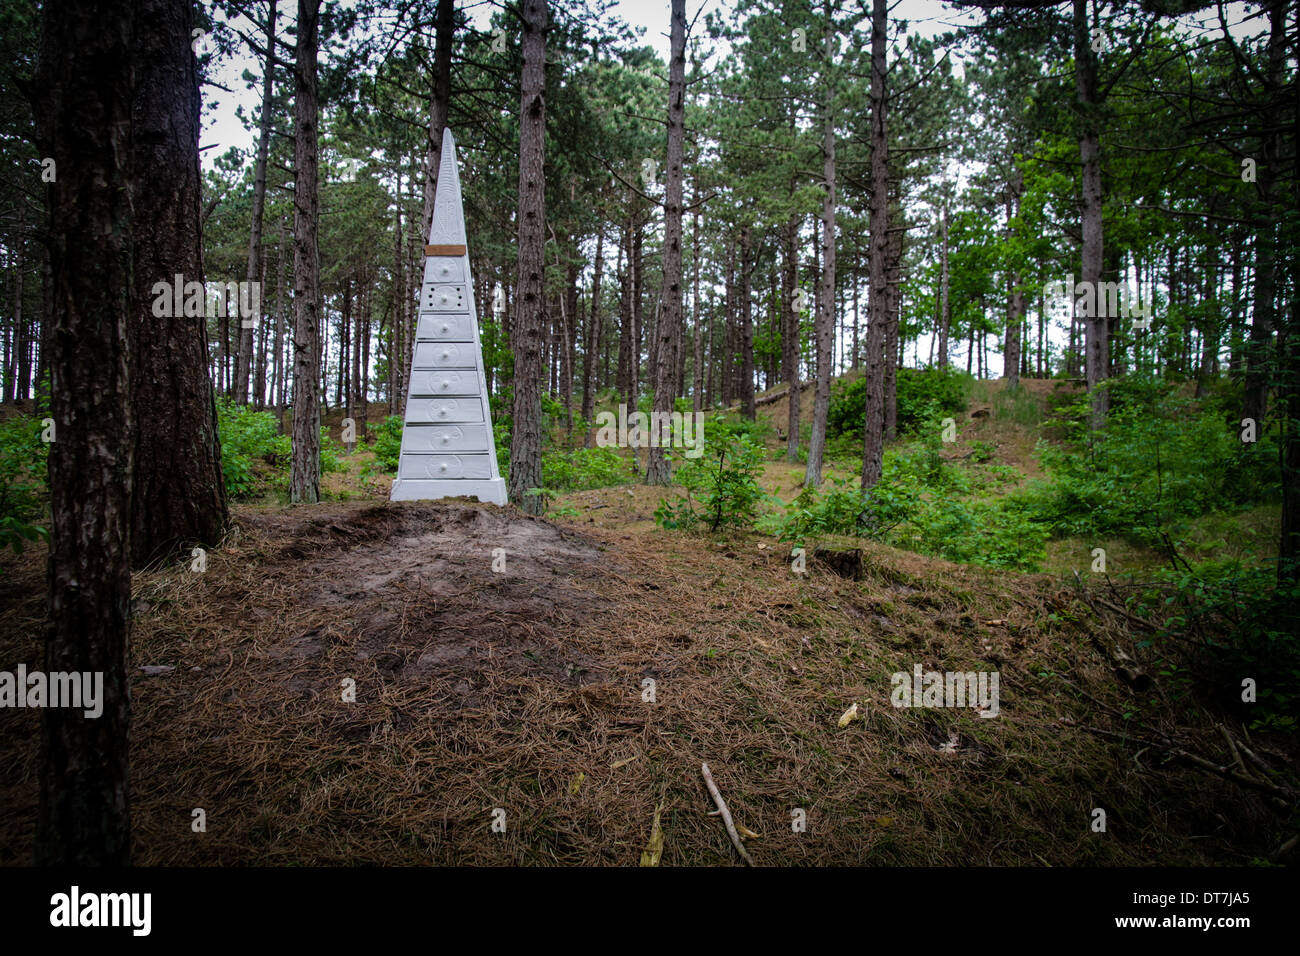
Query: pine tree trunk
(746, 326)
(623, 377)
(281, 320)
(591, 337)
(569, 323)
(790, 333)
(1288, 565)
(357, 378)
(1015, 300)
(17, 381)
(439, 101)
(945, 314)
(1260, 346)
(304, 478)
(530, 323)
(254, 273)
(343, 388)
(638, 327)
(84, 115)
(878, 301)
(179, 496)
(697, 398)
(1095, 325)
(669, 329)
(825, 324)
(729, 344)
(893, 307)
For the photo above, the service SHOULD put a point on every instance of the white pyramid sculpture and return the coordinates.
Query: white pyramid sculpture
(447, 444)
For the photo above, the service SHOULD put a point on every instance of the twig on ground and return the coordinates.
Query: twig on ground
(726, 814)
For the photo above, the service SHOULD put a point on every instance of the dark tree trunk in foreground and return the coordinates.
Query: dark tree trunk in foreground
(878, 303)
(669, 327)
(304, 474)
(84, 116)
(530, 323)
(1289, 553)
(1260, 347)
(179, 495)
(254, 272)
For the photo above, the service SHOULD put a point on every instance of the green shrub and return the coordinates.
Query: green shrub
(23, 494)
(250, 439)
(915, 506)
(331, 453)
(724, 479)
(995, 534)
(843, 508)
(388, 443)
(1160, 460)
(923, 395)
(584, 468)
(721, 427)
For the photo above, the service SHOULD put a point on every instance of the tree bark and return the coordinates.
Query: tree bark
(591, 337)
(825, 324)
(439, 103)
(84, 117)
(18, 366)
(791, 315)
(1260, 346)
(304, 478)
(893, 307)
(1015, 297)
(178, 496)
(254, 274)
(1095, 325)
(697, 397)
(669, 329)
(746, 325)
(878, 301)
(945, 314)
(530, 324)
(281, 320)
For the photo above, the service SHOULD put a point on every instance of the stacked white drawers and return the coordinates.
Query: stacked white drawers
(447, 442)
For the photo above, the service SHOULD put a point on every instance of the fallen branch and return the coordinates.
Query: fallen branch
(1282, 794)
(726, 814)
(1265, 770)
(1232, 749)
